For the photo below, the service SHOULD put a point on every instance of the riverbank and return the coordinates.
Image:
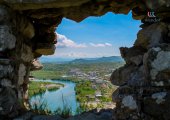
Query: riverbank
(41, 86)
(92, 96)
(87, 93)
(60, 101)
(92, 86)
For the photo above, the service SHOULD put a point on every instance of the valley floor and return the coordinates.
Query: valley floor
(93, 88)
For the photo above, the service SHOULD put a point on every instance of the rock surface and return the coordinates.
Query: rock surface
(91, 115)
(36, 65)
(145, 79)
(27, 31)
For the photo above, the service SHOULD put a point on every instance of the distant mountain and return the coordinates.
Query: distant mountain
(98, 60)
(82, 60)
(55, 60)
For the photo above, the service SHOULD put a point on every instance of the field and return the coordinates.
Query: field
(41, 87)
(86, 76)
(56, 71)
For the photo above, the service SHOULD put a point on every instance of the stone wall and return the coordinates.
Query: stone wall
(15, 60)
(27, 31)
(20, 44)
(144, 80)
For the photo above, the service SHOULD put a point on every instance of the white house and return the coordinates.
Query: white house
(98, 94)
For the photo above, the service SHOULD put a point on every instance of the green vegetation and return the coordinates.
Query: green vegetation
(41, 107)
(34, 88)
(46, 74)
(56, 71)
(85, 87)
(65, 112)
(83, 90)
(41, 87)
(85, 94)
(54, 88)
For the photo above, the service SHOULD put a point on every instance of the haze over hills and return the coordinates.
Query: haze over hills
(55, 60)
(99, 60)
(82, 60)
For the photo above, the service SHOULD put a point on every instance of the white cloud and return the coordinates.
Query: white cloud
(77, 55)
(108, 44)
(63, 41)
(101, 45)
(83, 50)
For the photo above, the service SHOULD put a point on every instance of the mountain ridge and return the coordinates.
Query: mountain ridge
(98, 60)
(82, 60)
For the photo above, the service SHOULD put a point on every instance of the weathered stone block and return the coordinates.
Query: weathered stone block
(152, 35)
(129, 102)
(5, 71)
(4, 14)
(4, 61)
(6, 83)
(138, 78)
(21, 74)
(8, 102)
(122, 75)
(45, 49)
(157, 65)
(121, 92)
(26, 54)
(26, 28)
(7, 40)
(157, 4)
(36, 65)
(157, 105)
(133, 55)
(127, 108)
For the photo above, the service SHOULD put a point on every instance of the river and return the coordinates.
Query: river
(65, 96)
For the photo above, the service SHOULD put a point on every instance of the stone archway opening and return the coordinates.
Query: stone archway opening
(91, 58)
(28, 31)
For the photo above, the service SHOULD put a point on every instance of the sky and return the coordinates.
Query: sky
(95, 36)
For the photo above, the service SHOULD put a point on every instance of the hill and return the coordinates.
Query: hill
(82, 60)
(98, 60)
(55, 60)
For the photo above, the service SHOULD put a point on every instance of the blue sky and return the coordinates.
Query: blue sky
(95, 36)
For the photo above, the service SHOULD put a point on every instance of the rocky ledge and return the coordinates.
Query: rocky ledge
(91, 115)
(145, 79)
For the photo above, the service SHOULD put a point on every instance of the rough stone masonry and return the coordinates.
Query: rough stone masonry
(27, 31)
